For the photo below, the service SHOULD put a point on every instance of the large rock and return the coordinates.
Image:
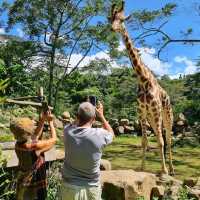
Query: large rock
(172, 187)
(124, 122)
(129, 129)
(188, 134)
(158, 192)
(66, 115)
(194, 193)
(2, 126)
(97, 124)
(181, 117)
(180, 123)
(58, 123)
(105, 165)
(127, 184)
(120, 130)
(112, 121)
(190, 182)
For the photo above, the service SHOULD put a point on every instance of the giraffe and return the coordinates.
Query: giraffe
(154, 102)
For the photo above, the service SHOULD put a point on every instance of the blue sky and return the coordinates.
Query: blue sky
(177, 58)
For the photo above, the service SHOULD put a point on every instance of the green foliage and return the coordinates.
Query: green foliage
(3, 86)
(13, 55)
(6, 184)
(149, 16)
(6, 137)
(65, 29)
(184, 194)
(54, 181)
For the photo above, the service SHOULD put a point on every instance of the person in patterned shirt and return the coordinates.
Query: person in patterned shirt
(31, 179)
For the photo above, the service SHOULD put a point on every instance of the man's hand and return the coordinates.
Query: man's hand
(99, 110)
(106, 125)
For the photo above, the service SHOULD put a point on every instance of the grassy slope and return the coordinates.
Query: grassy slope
(124, 154)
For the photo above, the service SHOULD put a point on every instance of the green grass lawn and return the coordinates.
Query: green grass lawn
(125, 153)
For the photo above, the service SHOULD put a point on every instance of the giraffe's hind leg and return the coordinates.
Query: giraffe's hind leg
(156, 124)
(167, 122)
(144, 143)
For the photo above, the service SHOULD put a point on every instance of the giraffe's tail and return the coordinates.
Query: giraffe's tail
(165, 144)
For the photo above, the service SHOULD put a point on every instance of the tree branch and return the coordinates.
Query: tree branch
(153, 31)
(71, 13)
(45, 38)
(86, 53)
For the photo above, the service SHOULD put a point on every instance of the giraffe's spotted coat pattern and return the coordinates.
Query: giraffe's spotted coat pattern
(154, 102)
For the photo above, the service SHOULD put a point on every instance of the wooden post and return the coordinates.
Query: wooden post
(41, 98)
(41, 92)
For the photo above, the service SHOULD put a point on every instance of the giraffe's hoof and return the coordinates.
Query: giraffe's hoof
(171, 172)
(164, 171)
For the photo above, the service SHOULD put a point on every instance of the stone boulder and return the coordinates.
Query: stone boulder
(190, 182)
(181, 117)
(58, 123)
(66, 118)
(127, 184)
(105, 165)
(124, 122)
(120, 130)
(115, 128)
(113, 121)
(97, 124)
(181, 124)
(188, 134)
(129, 129)
(66, 115)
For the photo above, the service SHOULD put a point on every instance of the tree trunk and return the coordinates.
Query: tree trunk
(51, 70)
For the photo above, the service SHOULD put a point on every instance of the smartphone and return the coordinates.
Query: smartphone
(93, 100)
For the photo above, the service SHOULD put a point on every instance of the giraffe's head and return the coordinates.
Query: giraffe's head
(117, 18)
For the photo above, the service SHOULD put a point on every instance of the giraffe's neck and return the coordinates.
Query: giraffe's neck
(137, 64)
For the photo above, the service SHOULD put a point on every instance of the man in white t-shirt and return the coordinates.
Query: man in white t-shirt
(83, 151)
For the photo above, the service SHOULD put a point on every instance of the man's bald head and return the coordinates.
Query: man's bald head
(86, 112)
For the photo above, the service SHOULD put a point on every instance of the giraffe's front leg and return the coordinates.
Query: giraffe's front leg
(167, 122)
(144, 141)
(158, 131)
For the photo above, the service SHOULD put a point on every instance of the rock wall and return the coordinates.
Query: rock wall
(132, 185)
(126, 184)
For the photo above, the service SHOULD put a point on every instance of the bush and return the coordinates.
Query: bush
(54, 181)
(6, 182)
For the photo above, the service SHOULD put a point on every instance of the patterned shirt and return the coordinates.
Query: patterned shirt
(32, 169)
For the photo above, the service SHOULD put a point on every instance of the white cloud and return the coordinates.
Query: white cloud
(175, 76)
(20, 32)
(75, 58)
(157, 66)
(2, 31)
(183, 64)
(121, 46)
(147, 54)
(190, 68)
